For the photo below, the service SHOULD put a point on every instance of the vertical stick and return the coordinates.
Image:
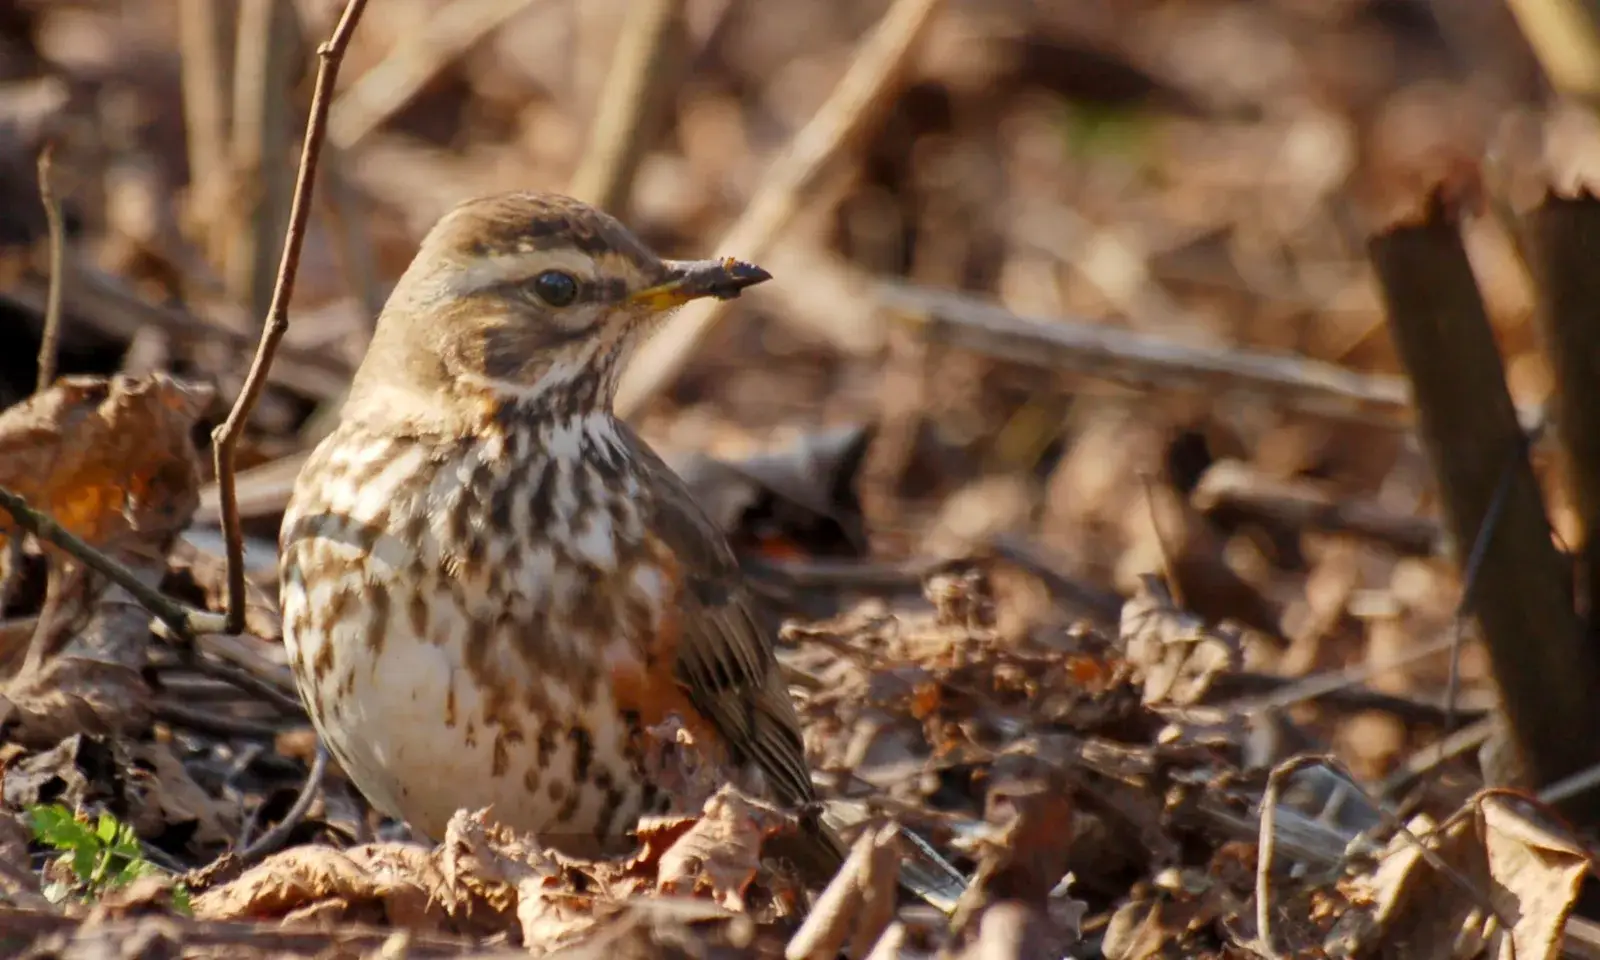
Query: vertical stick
(49, 341)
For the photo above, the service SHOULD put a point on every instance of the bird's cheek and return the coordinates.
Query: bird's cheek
(508, 349)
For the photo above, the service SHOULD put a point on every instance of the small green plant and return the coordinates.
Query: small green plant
(102, 855)
(1094, 130)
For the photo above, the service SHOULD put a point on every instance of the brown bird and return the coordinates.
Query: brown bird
(492, 588)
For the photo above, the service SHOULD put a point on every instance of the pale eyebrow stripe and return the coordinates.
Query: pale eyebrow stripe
(488, 272)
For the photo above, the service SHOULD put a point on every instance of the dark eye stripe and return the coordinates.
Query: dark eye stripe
(608, 290)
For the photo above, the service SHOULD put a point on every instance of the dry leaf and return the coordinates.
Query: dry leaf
(148, 894)
(70, 695)
(1139, 930)
(720, 855)
(509, 871)
(656, 836)
(75, 772)
(161, 794)
(1172, 652)
(106, 458)
(401, 884)
(1528, 873)
(1535, 876)
(85, 673)
(112, 461)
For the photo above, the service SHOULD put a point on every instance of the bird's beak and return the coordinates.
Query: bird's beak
(692, 279)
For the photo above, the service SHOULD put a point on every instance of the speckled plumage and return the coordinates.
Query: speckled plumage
(491, 587)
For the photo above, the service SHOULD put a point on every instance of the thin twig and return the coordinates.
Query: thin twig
(631, 96)
(226, 437)
(1580, 782)
(241, 677)
(1231, 485)
(110, 306)
(877, 63)
(161, 858)
(1566, 39)
(270, 841)
(184, 621)
(49, 343)
(1317, 685)
(1268, 846)
(1422, 763)
(245, 652)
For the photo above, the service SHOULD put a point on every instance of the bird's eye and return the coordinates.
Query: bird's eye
(556, 288)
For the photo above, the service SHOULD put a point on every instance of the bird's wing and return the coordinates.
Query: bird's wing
(727, 668)
(724, 658)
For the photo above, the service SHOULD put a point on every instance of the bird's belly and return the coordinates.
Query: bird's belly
(425, 724)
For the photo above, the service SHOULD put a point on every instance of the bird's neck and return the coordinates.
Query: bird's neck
(526, 426)
(471, 403)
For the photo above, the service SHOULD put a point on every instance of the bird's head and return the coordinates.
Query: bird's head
(529, 300)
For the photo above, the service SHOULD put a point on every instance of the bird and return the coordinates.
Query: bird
(492, 588)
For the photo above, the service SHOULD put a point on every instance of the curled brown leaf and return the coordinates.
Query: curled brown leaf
(106, 458)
